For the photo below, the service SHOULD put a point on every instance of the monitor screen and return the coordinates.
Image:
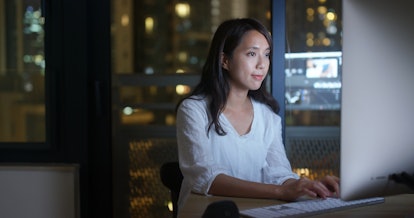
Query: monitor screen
(377, 99)
(313, 81)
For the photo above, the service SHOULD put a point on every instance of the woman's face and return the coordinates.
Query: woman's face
(250, 62)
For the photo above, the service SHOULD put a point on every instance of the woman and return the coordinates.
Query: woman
(228, 131)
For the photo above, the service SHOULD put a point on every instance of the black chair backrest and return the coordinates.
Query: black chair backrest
(171, 177)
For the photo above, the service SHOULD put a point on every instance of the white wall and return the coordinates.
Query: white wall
(49, 191)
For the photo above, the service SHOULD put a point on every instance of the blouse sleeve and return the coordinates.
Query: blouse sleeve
(194, 151)
(278, 168)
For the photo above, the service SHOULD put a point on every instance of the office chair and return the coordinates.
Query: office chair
(172, 177)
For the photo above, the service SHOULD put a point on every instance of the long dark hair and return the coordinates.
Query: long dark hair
(214, 82)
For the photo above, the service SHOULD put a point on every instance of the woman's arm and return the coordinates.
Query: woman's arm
(225, 185)
(290, 190)
(195, 150)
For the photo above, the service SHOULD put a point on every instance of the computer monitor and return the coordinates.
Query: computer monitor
(377, 108)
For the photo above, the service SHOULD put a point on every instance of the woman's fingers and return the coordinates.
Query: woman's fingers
(327, 187)
(332, 183)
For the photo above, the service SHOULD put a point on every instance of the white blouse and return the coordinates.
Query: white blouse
(257, 156)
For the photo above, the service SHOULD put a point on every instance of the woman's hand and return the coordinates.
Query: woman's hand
(293, 189)
(332, 183)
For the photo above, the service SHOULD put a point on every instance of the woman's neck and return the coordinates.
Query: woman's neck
(237, 100)
(239, 112)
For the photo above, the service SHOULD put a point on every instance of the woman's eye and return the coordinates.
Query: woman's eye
(251, 54)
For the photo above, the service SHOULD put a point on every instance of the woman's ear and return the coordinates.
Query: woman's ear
(224, 61)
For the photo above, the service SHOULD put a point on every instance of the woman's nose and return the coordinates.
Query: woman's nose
(261, 63)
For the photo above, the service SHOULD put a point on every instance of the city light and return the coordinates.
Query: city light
(125, 20)
(182, 10)
(182, 89)
(149, 25)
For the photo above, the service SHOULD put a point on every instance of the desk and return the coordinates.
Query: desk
(394, 206)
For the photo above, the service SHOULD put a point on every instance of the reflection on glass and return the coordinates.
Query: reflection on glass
(22, 71)
(313, 63)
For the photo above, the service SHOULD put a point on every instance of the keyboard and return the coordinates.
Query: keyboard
(308, 207)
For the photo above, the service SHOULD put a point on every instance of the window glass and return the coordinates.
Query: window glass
(158, 50)
(152, 38)
(313, 72)
(22, 71)
(313, 62)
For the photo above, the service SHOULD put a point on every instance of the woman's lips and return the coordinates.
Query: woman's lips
(258, 77)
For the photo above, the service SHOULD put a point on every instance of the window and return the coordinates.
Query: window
(22, 72)
(22, 68)
(313, 39)
(313, 69)
(158, 50)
